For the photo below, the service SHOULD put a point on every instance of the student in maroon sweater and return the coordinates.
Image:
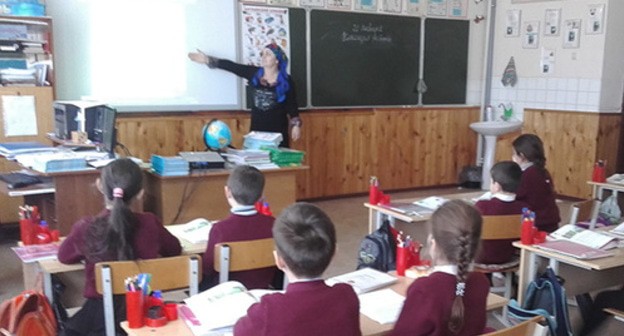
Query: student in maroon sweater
(451, 300)
(305, 243)
(501, 200)
(244, 188)
(116, 233)
(536, 187)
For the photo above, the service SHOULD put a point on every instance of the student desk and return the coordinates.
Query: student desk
(201, 195)
(53, 266)
(582, 276)
(377, 213)
(598, 188)
(367, 326)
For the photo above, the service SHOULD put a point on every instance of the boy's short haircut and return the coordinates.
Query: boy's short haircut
(305, 238)
(508, 174)
(246, 184)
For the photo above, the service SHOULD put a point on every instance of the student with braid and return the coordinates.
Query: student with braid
(117, 233)
(451, 300)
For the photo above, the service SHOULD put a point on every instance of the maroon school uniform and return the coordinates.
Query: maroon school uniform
(538, 190)
(151, 240)
(244, 223)
(428, 303)
(307, 308)
(499, 251)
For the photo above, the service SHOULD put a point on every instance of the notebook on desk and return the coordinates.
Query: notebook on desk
(19, 180)
(574, 250)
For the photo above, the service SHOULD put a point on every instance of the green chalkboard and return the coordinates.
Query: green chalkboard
(446, 61)
(360, 59)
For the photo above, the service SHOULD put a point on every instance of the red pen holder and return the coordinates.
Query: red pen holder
(598, 175)
(402, 260)
(373, 195)
(134, 309)
(526, 235)
(28, 232)
(171, 311)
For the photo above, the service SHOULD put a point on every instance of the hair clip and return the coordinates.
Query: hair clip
(460, 288)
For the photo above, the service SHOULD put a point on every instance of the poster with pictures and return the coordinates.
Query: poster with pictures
(413, 7)
(283, 2)
(339, 4)
(436, 7)
(458, 8)
(512, 23)
(572, 33)
(369, 5)
(530, 34)
(312, 3)
(547, 62)
(261, 26)
(552, 22)
(392, 6)
(595, 19)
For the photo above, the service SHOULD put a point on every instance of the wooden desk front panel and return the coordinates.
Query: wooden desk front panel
(202, 195)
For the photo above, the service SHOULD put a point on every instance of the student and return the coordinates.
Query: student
(451, 300)
(536, 187)
(305, 243)
(501, 200)
(244, 188)
(116, 233)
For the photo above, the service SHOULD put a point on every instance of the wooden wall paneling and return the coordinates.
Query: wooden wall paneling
(394, 147)
(608, 146)
(10, 205)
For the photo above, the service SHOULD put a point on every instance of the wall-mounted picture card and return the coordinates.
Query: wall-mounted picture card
(283, 2)
(458, 8)
(595, 19)
(339, 4)
(391, 6)
(547, 62)
(512, 23)
(530, 34)
(437, 7)
(312, 3)
(572, 33)
(369, 5)
(413, 7)
(552, 22)
(258, 1)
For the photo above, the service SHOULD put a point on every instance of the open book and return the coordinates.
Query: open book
(195, 231)
(574, 250)
(219, 307)
(432, 202)
(618, 230)
(585, 237)
(363, 280)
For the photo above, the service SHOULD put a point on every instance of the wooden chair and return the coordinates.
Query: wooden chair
(530, 327)
(617, 314)
(167, 274)
(243, 256)
(498, 228)
(585, 211)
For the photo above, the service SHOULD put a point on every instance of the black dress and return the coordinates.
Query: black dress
(267, 114)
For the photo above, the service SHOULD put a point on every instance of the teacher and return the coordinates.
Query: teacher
(273, 90)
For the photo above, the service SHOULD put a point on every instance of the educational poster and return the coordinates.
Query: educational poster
(458, 8)
(512, 23)
(413, 7)
(283, 2)
(18, 114)
(595, 19)
(369, 5)
(572, 33)
(552, 22)
(530, 34)
(312, 3)
(391, 6)
(547, 62)
(437, 7)
(261, 26)
(339, 4)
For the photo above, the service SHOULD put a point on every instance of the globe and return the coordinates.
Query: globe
(217, 135)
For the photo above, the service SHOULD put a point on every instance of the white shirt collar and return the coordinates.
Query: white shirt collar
(244, 210)
(448, 269)
(505, 197)
(525, 165)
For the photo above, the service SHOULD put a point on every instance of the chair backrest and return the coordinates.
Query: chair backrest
(530, 327)
(167, 274)
(501, 227)
(585, 211)
(243, 256)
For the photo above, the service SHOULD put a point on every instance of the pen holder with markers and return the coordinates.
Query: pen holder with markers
(407, 255)
(528, 230)
(134, 308)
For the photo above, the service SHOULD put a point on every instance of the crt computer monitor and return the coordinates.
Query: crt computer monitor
(103, 129)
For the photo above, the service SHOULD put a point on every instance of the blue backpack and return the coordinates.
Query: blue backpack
(545, 297)
(378, 250)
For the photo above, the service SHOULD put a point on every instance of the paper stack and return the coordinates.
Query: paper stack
(169, 165)
(285, 157)
(53, 161)
(257, 140)
(252, 157)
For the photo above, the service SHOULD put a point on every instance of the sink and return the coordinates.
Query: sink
(490, 131)
(495, 128)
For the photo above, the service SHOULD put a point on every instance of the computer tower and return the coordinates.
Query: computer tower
(94, 118)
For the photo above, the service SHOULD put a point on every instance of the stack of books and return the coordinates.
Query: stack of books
(250, 157)
(258, 140)
(10, 149)
(52, 162)
(169, 165)
(286, 157)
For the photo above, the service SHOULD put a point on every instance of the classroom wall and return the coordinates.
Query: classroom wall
(587, 79)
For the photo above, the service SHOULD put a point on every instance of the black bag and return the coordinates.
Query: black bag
(378, 250)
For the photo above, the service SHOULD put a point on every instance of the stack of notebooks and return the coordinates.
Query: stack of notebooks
(169, 165)
(257, 140)
(252, 157)
(285, 157)
(51, 162)
(10, 149)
